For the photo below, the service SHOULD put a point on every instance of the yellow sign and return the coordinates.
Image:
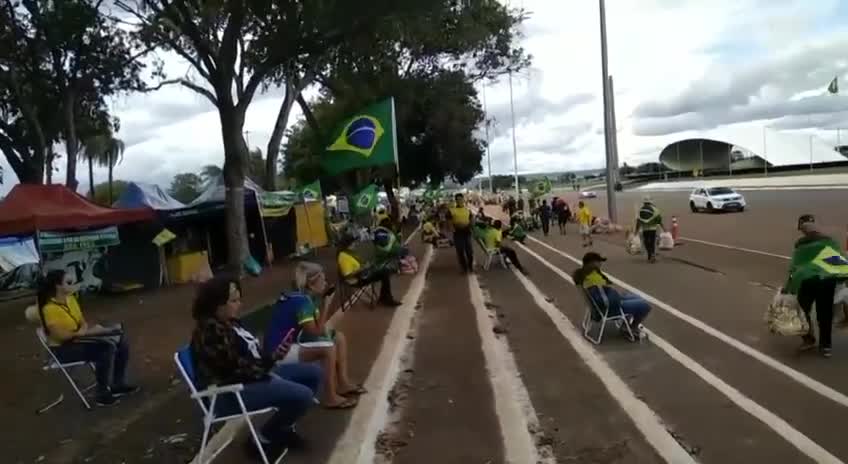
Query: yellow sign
(164, 237)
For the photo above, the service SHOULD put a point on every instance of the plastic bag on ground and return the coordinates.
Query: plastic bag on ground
(785, 317)
(666, 241)
(633, 244)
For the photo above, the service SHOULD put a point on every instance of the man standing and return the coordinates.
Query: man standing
(648, 220)
(584, 218)
(460, 219)
(545, 217)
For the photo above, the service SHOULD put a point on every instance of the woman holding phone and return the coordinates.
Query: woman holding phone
(299, 311)
(227, 353)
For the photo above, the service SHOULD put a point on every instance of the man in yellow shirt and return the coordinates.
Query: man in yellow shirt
(358, 275)
(461, 222)
(493, 238)
(584, 218)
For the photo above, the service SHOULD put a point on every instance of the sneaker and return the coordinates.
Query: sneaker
(125, 390)
(273, 450)
(105, 400)
(826, 352)
(293, 441)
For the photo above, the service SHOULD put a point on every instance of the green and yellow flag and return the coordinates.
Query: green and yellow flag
(311, 192)
(541, 187)
(363, 140)
(365, 201)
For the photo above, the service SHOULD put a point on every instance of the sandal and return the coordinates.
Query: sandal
(346, 404)
(357, 390)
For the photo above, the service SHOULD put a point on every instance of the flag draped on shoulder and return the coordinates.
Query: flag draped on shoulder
(365, 139)
(311, 192)
(833, 87)
(541, 187)
(365, 200)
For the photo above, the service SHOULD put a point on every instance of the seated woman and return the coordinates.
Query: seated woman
(298, 312)
(516, 231)
(593, 280)
(429, 233)
(359, 275)
(493, 238)
(226, 353)
(72, 339)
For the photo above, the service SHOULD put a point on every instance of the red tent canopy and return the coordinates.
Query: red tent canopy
(28, 208)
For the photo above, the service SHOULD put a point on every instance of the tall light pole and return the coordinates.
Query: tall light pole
(614, 131)
(514, 144)
(488, 152)
(608, 134)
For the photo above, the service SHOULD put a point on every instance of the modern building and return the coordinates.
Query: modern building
(746, 147)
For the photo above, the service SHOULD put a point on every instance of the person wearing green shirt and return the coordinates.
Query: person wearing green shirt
(648, 221)
(818, 265)
(516, 231)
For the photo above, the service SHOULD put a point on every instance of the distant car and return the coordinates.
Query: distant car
(716, 199)
(588, 194)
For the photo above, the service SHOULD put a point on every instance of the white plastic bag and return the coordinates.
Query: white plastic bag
(633, 244)
(666, 241)
(840, 296)
(785, 317)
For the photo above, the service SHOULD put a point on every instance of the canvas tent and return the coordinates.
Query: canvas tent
(139, 195)
(31, 208)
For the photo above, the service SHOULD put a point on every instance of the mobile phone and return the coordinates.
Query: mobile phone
(330, 291)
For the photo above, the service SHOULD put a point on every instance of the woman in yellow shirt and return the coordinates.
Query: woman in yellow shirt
(360, 275)
(584, 218)
(72, 339)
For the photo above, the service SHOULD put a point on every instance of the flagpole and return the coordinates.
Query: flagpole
(488, 152)
(514, 144)
(397, 156)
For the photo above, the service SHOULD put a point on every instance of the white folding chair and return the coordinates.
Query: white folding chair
(206, 400)
(491, 255)
(53, 363)
(598, 314)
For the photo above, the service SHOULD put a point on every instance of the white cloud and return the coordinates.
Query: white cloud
(679, 66)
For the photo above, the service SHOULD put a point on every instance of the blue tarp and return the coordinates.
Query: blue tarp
(140, 194)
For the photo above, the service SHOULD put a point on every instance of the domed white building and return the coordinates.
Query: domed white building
(746, 147)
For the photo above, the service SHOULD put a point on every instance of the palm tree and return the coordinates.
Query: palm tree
(106, 151)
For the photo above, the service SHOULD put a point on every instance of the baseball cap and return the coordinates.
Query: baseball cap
(805, 219)
(592, 257)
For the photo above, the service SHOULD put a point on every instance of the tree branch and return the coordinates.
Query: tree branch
(185, 83)
(307, 113)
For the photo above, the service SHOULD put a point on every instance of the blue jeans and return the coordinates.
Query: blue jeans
(635, 307)
(290, 389)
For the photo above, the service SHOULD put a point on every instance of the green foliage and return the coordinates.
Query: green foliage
(101, 192)
(507, 183)
(185, 187)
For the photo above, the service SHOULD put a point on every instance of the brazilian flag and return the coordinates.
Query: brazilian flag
(365, 139)
(365, 201)
(311, 191)
(541, 187)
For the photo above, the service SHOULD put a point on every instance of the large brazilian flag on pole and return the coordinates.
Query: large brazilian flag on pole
(368, 138)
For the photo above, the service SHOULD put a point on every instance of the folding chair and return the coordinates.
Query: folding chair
(53, 363)
(491, 255)
(350, 293)
(206, 400)
(599, 314)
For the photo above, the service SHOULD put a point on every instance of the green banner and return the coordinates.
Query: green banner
(62, 242)
(276, 204)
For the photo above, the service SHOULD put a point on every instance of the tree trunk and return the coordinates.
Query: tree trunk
(235, 160)
(48, 167)
(71, 142)
(111, 167)
(273, 150)
(91, 177)
(388, 185)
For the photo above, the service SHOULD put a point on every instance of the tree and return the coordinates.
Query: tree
(256, 166)
(101, 192)
(58, 60)
(210, 173)
(185, 187)
(234, 47)
(107, 151)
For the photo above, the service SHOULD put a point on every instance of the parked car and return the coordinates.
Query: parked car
(716, 199)
(588, 194)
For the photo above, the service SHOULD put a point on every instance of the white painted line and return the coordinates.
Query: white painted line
(512, 402)
(771, 420)
(793, 374)
(643, 417)
(357, 443)
(736, 248)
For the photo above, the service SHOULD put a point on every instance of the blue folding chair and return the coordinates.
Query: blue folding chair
(206, 399)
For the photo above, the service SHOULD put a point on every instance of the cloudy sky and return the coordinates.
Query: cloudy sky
(680, 66)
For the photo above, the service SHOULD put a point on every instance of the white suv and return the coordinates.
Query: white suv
(716, 199)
